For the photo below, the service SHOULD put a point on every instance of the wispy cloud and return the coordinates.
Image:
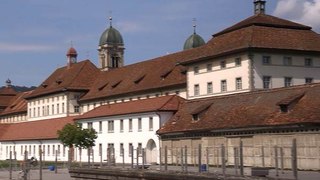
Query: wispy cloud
(130, 27)
(305, 12)
(15, 47)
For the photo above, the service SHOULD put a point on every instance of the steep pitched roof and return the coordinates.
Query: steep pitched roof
(78, 77)
(18, 104)
(162, 72)
(164, 103)
(260, 32)
(253, 109)
(6, 95)
(33, 130)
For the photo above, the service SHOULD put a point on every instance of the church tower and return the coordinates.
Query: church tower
(71, 56)
(259, 6)
(194, 40)
(111, 49)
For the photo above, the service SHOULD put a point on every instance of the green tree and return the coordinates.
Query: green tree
(72, 135)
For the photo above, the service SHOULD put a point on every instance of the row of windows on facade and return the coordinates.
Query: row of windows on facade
(287, 61)
(111, 149)
(94, 105)
(223, 86)
(45, 110)
(57, 98)
(32, 151)
(12, 119)
(287, 81)
(130, 123)
(237, 62)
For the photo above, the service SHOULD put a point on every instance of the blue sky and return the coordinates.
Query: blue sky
(35, 34)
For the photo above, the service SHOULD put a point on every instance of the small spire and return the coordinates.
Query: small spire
(110, 19)
(194, 24)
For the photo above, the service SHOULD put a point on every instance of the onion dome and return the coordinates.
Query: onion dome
(111, 36)
(194, 40)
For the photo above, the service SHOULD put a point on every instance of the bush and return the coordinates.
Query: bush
(4, 164)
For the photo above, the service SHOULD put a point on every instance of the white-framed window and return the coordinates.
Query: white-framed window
(222, 64)
(196, 89)
(130, 149)
(287, 61)
(130, 125)
(209, 88)
(139, 124)
(266, 60)
(110, 126)
(150, 123)
(266, 82)
(100, 126)
(238, 83)
(121, 149)
(308, 62)
(139, 149)
(76, 109)
(209, 67)
(58, 108)
(89, 124)
(287, 81)
(62, 107)
(121, 125)
(196, 70)
(308, 80)
(237, 61)
(223, 85)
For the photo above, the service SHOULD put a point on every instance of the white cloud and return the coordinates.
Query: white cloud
(303, 11)
(15, 47)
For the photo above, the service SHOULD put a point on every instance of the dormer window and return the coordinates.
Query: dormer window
(44, 85)
(58, 81)
(195, 117)
(284, 108)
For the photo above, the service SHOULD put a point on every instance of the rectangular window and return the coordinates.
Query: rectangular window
(287, 81)
(100, 149)
(139, 149)
(53, 150)
(29, 150)
(223, 85)
(196, 90)
(209, 67)
(100, 126)
(52, 109)
(111, 149)
(76, 109)
(58, 108)
(130, 149)
(64, 151)
(209, 88)
(139, 124)
(48, 150)
(308, 62)
(237, 61)
(266, 82)
(89, 125)
(150, 123)
(58, 150)
(62, 108)
(34, 150)
(287, 61)
(121, 149)
(110, 126)
(130, 125)
(196, 69)
(47, 110)
(121, 125)
(309, 80)
(238, 83)
(266, 60)
(222, 64)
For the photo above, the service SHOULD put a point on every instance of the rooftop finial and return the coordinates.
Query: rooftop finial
(8, 82)
(110, 18)
(259, 6)
(71, 43)
(194, 24)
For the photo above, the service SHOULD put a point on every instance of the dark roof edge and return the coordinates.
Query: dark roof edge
(60, 90)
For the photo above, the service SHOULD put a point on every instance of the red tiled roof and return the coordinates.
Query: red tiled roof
(33, 130)
(253, 109)
(162, 72)
(79, 76)
(164, 103)
(18, 104)
(9, 91)
(6, 95)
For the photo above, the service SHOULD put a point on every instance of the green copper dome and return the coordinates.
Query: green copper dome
(193, 41)
(111, 36)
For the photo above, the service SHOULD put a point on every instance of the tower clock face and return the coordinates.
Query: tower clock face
(73, 59)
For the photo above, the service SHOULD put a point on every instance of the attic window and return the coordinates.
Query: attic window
(195, 117)
(116, 84)
(139, 79)
(284, 108)
(165, 74)
(58, 81)
(103, 86)
(44, 85)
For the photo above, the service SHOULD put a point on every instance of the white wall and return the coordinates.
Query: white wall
(298, 71)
